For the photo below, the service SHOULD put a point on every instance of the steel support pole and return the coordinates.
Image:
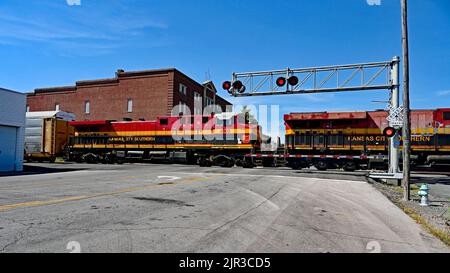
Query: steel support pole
(394, 154)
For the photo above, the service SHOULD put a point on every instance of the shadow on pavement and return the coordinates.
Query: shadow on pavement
(33, 170)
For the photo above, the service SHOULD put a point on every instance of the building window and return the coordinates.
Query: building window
(57, 108)
(130, 106)
(28, 108)
(208, 101)
(183, 108)
(197, 103)
(183, 89)
(87, 107)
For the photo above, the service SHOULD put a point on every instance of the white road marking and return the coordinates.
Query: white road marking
(277, 176)
(170, 178)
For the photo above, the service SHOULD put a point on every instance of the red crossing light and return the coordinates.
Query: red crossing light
(293, 80)
(281, 81)
(238, 86)
(389, 132)
(226, 85)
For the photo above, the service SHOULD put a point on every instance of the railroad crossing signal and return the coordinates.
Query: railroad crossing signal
(372, 76)
(395, 117)
(389, 132)
(393, 134)
(292, 81)
(281, 81)
(226, 86)
(337, 78)
(236, 86)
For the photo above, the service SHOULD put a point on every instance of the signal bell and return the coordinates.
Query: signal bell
(389, 132)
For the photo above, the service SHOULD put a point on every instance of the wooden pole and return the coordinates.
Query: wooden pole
(406, 105)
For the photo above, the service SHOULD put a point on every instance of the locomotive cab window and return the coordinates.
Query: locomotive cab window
(224, 122)
(446, 115)
(163, 121)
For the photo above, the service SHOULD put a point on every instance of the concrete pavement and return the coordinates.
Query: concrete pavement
(176, 208)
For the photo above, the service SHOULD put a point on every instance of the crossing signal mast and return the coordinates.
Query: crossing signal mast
(339, 78)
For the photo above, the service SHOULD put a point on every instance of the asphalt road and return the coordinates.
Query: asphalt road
(175, 208)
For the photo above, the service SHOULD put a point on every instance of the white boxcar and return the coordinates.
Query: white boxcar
(12, 127)
(46, 134)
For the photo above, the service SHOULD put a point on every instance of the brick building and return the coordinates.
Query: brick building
(132, 95)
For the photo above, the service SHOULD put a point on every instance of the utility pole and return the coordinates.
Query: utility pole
(406, 115)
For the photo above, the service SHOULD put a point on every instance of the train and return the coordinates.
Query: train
(219, 139)
(324, 140)
(355, 140)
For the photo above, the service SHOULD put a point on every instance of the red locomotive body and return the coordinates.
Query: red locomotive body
(222, 139)
(355, 139)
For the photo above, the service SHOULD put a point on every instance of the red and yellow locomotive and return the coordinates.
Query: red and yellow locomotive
(353, 140)
(221, 139)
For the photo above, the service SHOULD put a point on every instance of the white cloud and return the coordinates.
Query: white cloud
(443, 93)
(92, 30)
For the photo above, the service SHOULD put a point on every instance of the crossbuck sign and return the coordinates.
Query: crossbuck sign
(395, 117)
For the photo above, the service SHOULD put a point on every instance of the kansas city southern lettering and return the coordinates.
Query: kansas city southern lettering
(366, 138)
(383, 138)
(131, 139)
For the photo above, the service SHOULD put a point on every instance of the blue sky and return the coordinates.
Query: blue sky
(49, 43)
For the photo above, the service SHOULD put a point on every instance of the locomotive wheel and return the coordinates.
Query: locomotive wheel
(268, 162)
(296, 165)
(90, 158)
(321, 165)
(227, 162)
(120, 161)
(203, 162)
(231, 163)
(349, 166)
(247, 164)
(238, 162)
(78, 159)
